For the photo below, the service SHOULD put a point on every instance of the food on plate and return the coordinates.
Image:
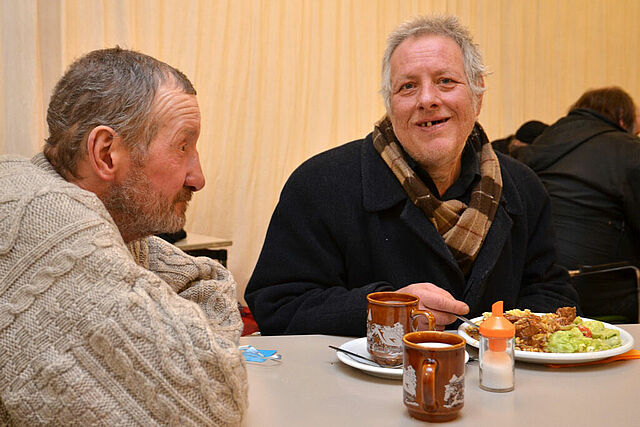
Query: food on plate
(577, 340)
(559, 332)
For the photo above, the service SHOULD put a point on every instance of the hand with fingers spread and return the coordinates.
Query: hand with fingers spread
(438, 301)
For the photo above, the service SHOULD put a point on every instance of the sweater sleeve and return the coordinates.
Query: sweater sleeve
(89, 337)
(199, 279)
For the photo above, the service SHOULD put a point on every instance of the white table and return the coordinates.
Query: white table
(311, 387)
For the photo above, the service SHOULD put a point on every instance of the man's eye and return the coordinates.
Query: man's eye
(408, 86)
(446, 81)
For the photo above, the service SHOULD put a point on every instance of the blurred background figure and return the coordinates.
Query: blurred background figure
(524, 136)
(589, 162)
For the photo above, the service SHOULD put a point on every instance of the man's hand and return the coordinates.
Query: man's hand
(437, 301)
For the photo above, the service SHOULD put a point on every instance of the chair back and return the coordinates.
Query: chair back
(608, 292)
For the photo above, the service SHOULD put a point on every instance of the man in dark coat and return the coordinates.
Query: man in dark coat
(422, 205)
(589, 162)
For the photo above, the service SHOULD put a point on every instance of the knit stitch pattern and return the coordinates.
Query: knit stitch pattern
(96, 332)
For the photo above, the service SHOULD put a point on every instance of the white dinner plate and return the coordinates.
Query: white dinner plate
(560, 358)
(359, 346)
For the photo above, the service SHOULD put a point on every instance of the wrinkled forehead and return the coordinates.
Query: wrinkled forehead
(434, 48)
(172, 101)
(451, 43)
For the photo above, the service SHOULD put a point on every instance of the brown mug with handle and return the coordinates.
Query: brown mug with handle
(433, 375)
(390, 315)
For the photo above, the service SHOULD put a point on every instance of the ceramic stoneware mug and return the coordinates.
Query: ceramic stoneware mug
(433, 375)
(390, 315)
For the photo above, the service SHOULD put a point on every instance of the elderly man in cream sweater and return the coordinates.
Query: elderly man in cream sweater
(100, 322)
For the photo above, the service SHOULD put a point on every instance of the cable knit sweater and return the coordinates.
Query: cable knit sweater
(95, 332)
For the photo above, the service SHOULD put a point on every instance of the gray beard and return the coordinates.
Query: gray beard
(138, 210)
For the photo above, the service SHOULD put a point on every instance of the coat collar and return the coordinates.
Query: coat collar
(381, 189)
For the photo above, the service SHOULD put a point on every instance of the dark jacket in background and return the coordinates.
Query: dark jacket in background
(591, 169)
(502, 145)
(344, 227)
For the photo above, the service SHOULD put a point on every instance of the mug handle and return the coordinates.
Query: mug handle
(430, 318)
(426, 393)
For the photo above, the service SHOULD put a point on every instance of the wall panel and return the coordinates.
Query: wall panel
(281, 80)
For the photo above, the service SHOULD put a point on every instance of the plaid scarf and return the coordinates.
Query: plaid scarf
(463, 227)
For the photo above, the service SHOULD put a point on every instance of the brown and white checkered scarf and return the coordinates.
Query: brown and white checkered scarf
(463, 227)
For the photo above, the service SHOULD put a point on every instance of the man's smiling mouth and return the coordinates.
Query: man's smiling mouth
(433, 122)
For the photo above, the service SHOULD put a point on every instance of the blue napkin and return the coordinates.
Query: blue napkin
(252, 354)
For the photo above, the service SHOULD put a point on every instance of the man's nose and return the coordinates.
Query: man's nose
(428, 97)
(195, 178)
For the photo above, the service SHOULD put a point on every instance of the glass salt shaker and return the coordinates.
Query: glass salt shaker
(497, 363)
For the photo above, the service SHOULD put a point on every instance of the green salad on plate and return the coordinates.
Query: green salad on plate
(583, 336)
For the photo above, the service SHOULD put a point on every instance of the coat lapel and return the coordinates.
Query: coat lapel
(381, 190)
(423, 228)
(510, 205)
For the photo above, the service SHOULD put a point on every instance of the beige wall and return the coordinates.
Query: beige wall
(281, 80)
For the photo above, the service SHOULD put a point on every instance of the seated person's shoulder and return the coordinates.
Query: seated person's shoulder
(630, 146)
(37, 203)
(21, 176)
(13, 167)
(515, 169)
(326, 170)
(519, 178)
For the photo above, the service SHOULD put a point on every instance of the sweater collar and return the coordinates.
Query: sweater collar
(41, 161)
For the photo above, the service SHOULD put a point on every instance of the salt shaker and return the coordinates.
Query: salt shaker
(497, 362)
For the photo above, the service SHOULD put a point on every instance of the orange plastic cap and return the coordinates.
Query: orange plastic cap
(497, 326)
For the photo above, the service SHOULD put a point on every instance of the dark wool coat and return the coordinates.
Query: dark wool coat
(344, 227)
(591, 169)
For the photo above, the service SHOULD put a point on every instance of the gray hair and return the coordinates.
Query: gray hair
(112, 87)
(447, 26)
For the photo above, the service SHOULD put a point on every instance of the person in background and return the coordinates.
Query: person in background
(421, 205)
(100, 322)
(589, 161)
(524, 136)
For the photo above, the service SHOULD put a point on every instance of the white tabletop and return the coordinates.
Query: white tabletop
(311, 387)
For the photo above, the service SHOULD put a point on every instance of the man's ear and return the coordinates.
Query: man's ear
(631, 130)
(104, 152)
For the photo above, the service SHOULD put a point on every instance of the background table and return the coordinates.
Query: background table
(195, 241)
(311, 387)
(202, 245)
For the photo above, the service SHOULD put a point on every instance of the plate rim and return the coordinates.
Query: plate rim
(395, 373)
(561, 358)
(374, 370)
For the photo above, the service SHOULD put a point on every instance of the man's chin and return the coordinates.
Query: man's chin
(169, 226)
(176, 226)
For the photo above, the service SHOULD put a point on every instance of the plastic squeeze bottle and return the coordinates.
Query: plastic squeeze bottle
(496, 351)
